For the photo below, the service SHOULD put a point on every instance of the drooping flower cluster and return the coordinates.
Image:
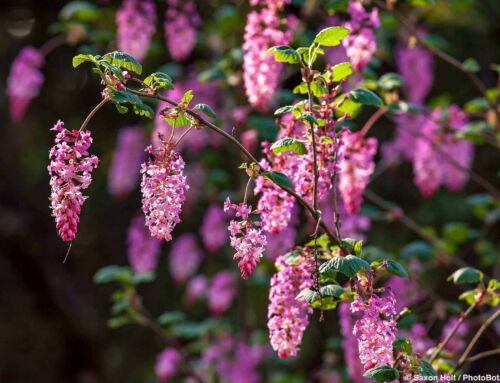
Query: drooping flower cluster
(360, 43)
(185, 257)
(246, 238)
(196, 289)
(143, 249)
(264, 29)
(440, 158)
(136, 20)
(287, 315)
(221, 292)
(167, 364)
(356, 167)
(234, 360)
(70, 171)
(375, 330)
(163, 189)
(350, 344)
(126, 163)
(214, 228)
(24, 82)
(416, 66)
(181, 21)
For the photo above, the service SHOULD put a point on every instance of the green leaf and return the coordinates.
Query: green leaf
(341, 71)
(171, 317)
(279, 179)
(471, 65)
(466, 275)
(123, 97)
(348, 265)
(113, 274)
(284, 109)
(80, 11)
(309, 295)
(396, 268)
(469, 296)
(123, 60)
(332, 290)
(206, 110)
(289, 144)
(456, 232)
(420, 250)
(382, 374)
(309, 118)
(317, 300)
(113, 69)
(145, 110)
(283, 53)
(188, 96)
(159, 80)
(426, 370)
(304, 54)
(404, 107)
(143, 278)
(81, 58)
(292, 257)
(390, 81)
(120, 321)
(365, 97)
(331, 36)
(403, 344)
(351, 243)
(477, 105)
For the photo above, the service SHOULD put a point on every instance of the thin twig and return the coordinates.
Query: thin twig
(93, 112)
(474, 340)
(373, 119)
(52, 43)
(482, 355)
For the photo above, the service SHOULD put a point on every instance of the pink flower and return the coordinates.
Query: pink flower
(70, 171)
(287, 315)
(167, 364)
(280, 243)
(196, 289)
(24, 81)
(214, 228)
(221, 292)
(136, 21)
(163, 189)
(356, 168)
(375, 330)
(261, 73)
(360, 43)
(185, 257)
(246, 238)
(181, 21)
(440, 158)
(143, 250)
(349, 344)
(419, 338)
(416, 66)
(403, 144)
(126, 162)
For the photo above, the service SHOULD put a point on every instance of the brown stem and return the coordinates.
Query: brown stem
(443, 344)
(315, 154)
(482, 355)
(146, 319)
(437, 52)
(52, 43)
(218, 130)
(373, 119)
(93, 112)
(474, 340)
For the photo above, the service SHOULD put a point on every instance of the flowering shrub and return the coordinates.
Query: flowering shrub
(288, 194)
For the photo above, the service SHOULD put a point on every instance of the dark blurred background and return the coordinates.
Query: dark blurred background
(52, 316)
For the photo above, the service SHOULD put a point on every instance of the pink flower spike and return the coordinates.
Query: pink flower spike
(167, 364)
(70, 171)
(185, 257)
(143, 250)
(221, 292)
(181, 21)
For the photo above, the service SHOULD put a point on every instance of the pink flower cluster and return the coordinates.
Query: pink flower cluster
(246, 238)
(214, 228)
(263, 30)
(220, 291)
(356, 167)
(403, 144)
(70, 171)
(143, 250)
(375, 330)
(287, 315)
(360, 43)
(181, 21)
(440, 158)
(167, 364)
(350, 345)
(24, 81)
(136, 20)
(126, 162)
(163, 189)
(234, 360)
(280, 243)
(185, 257)
(416, 66)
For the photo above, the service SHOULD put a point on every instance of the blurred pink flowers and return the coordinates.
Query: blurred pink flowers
(181, 21)
(167, 364)
(185, 257)
(143, 249)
